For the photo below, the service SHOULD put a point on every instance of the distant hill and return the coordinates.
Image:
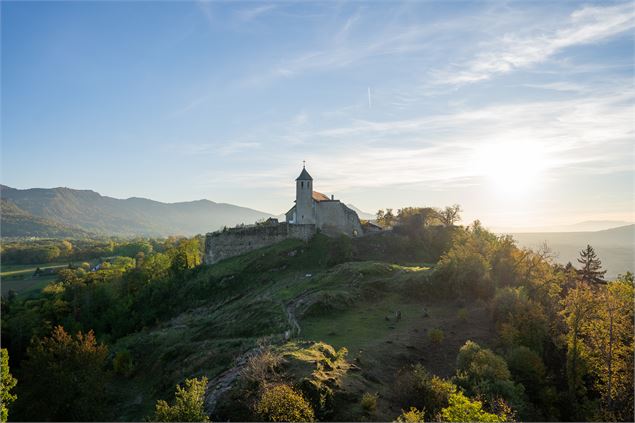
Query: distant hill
(595, 225)
(88, 211)
(16, 222)
(615, 247)
(362, 214)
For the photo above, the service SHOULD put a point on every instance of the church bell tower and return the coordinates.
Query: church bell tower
(304, 212)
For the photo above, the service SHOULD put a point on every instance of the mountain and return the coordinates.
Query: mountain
(19, 223)
(362, 214)
(586, 226)
(91, 212)
(595, 225)
(615, 247)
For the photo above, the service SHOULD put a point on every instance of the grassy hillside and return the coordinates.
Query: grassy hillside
(362, 328)
(93, 212)
(241, 301)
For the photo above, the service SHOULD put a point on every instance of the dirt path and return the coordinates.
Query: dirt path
(224, 382)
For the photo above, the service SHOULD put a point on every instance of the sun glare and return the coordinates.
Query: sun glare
(511, 168)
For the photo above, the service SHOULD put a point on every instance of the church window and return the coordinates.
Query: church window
(302, 184)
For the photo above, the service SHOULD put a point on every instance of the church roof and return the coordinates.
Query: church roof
(304, 176)
(318, 196)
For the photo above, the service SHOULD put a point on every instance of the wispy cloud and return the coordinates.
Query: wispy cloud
(251, 13)
(584, 26)
(587, 135)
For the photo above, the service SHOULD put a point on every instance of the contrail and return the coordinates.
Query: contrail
(370, 101)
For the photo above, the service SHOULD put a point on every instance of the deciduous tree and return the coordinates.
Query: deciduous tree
(64, 378)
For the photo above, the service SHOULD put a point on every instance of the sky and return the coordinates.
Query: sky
(521, 112)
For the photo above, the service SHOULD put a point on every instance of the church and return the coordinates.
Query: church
(330, 216)
(313, 212)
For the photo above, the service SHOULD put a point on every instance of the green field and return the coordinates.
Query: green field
(19, 278)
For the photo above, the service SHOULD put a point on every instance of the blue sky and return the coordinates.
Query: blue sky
(520, 111)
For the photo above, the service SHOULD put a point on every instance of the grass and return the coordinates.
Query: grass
(27, 269)
(27, 286)
(363, 325)
(19, 277)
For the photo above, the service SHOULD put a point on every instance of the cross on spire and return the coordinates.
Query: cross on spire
(303, 164)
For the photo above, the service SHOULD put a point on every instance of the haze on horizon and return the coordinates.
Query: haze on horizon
(522, 112)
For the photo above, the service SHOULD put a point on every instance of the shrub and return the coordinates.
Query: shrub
(122, 363)
(282, 403)
(261, 368)
(415, 387)
(7, 383)
(369, 403)
(411, 416)
(527, 368)
(462, 314)
(188, 404)
(480, 363)
(481, 372)
(436, 336)
(462, 409)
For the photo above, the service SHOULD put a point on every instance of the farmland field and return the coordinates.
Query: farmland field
(19, 278)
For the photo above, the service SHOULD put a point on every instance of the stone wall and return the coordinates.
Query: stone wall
(236, 241)
(334, 218)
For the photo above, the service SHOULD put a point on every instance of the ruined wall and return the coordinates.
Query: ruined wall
(236, 241)
(334, 218)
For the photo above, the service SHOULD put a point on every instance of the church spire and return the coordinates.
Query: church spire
(304, 175)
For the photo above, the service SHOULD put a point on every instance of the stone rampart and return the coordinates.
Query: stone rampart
(236, 241)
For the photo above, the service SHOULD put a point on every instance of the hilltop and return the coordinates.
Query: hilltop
(361, 328)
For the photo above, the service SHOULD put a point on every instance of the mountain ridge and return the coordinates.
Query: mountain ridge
(90, 211)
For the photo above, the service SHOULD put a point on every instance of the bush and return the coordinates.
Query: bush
(7, 383)
(415, 387)
(369, 403)
(282, 403)
(436, 336)
(411, 416)
(481, 372)
(527, 368)
(122, 363)
(462, 314)
(462, 409)
(188, 404)
(261, 368)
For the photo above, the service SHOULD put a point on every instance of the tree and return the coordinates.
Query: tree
(608, 338)
(64, 378)
(379, 216)
(7, 382)
(462, 409)
(450, 215)
(66, 248)
(282, 403)
(591, 265)
(389, 217)
(578, 307)
(188, 404)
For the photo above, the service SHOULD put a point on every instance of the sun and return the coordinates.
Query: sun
(511, 168)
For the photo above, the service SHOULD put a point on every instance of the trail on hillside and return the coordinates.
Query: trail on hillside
(224, 382)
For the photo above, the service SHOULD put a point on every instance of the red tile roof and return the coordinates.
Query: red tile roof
(318, 196)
